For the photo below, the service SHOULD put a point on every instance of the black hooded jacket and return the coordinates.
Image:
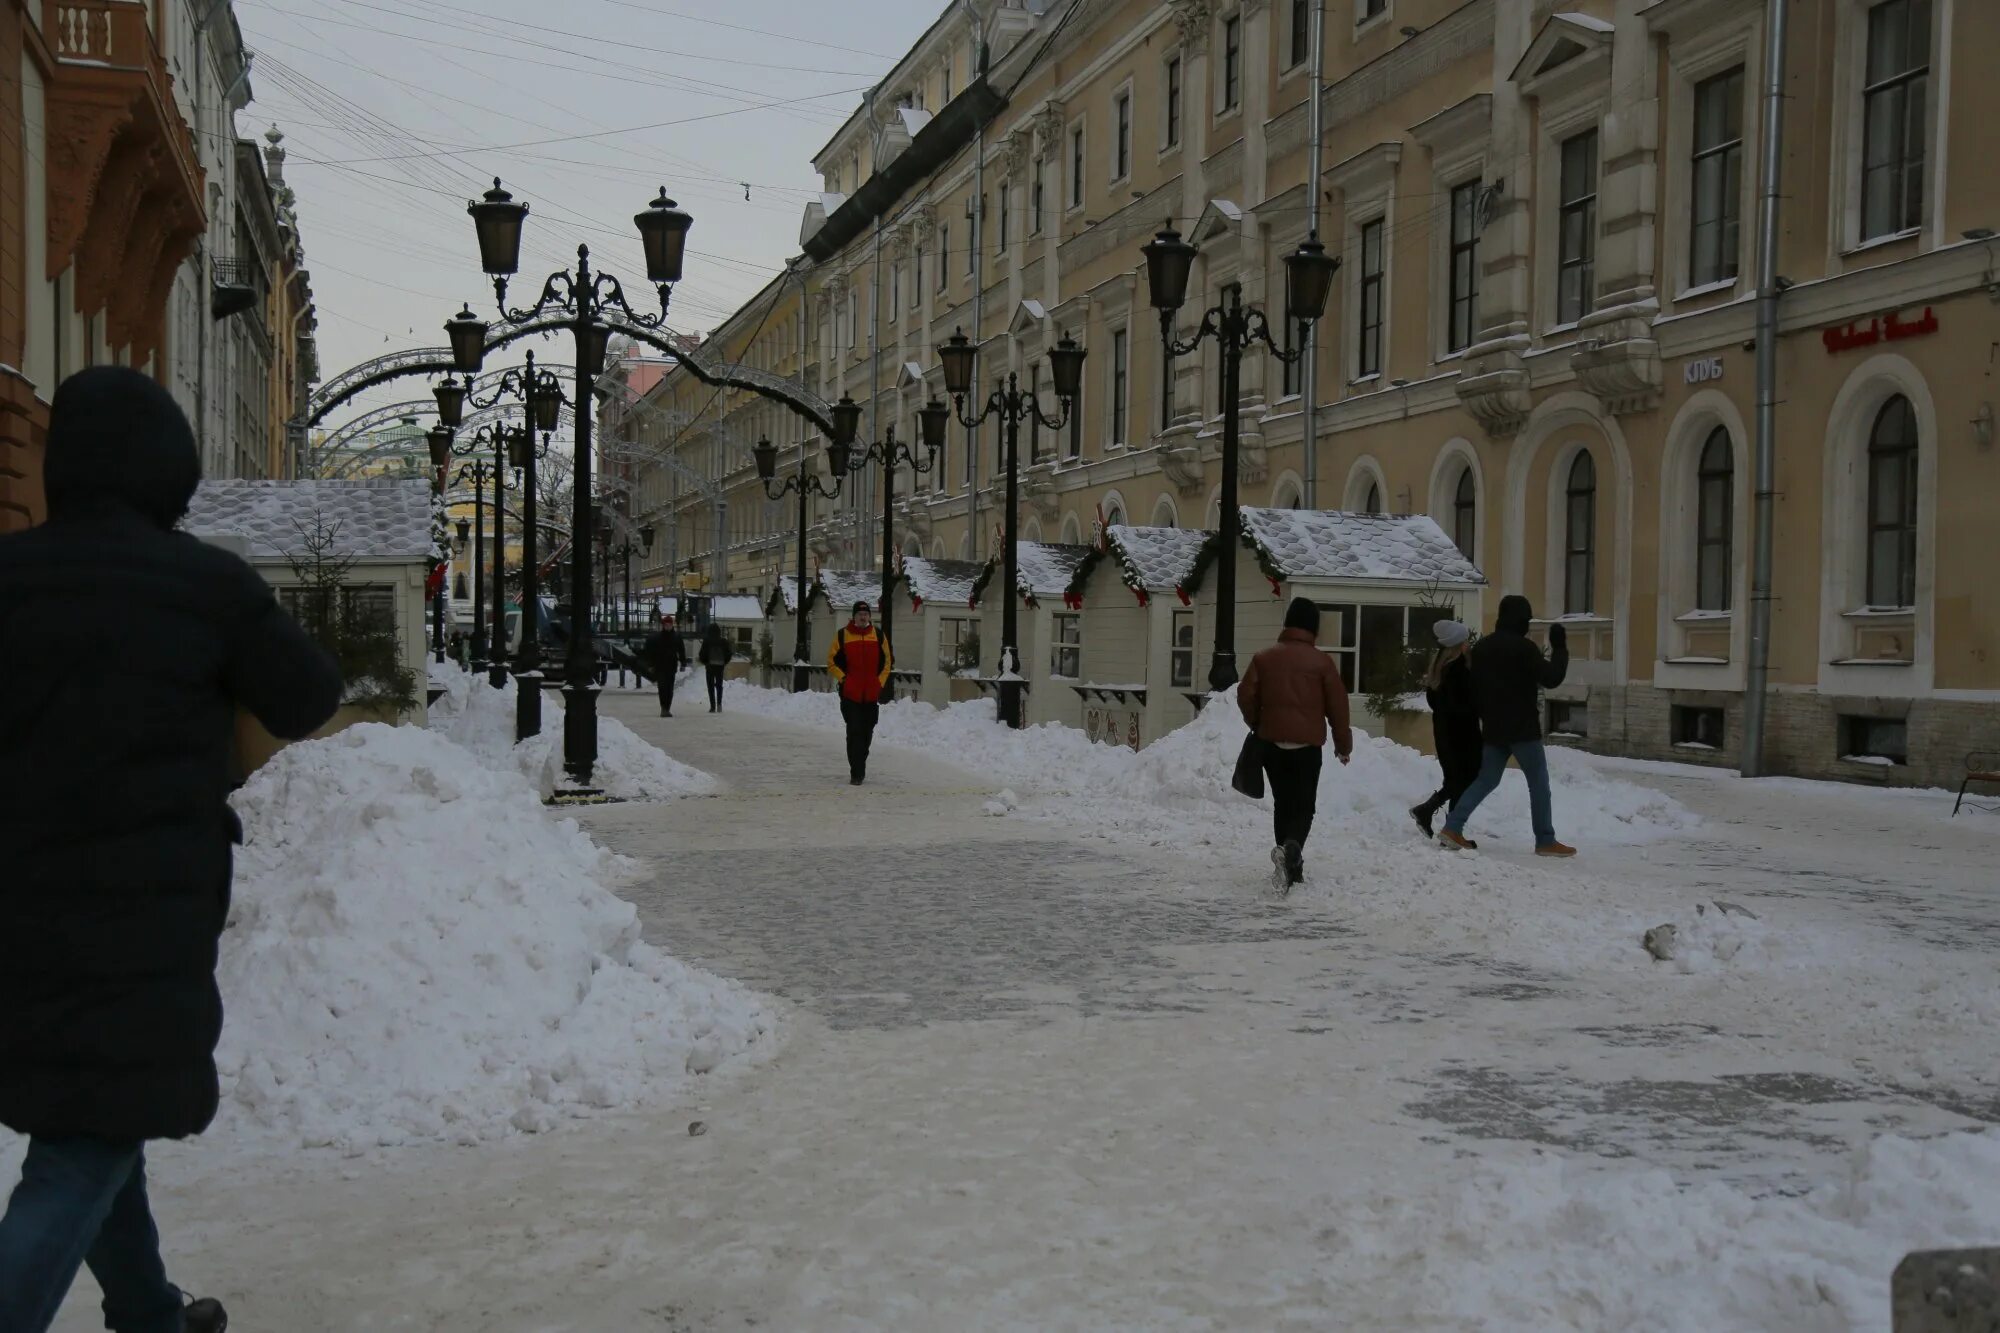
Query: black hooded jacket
(1509, 673)
(125, 649)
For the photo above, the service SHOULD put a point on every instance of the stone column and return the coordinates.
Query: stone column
(1494, 384)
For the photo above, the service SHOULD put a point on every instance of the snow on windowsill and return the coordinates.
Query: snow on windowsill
(1876, 243)
(1695, 745)
(1696, 661)
(1708, 289)
(1872, 760)
(1872, 662)
(1693, 617)
(1880, 613)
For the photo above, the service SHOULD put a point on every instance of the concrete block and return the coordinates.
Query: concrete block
(1946, 1291)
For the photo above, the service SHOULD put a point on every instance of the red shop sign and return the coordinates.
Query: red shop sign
(1886, 328)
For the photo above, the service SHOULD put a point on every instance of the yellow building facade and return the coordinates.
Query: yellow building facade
(1542, 333)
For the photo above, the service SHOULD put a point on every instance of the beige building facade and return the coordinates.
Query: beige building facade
(1542, 333)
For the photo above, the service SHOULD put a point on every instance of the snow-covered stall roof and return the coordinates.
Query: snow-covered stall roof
(1331, 545)
(382, 518)
(785, 597)
(842, 588)
(1044, 569)
(1157, 559)
(946, 582)
(736, 606)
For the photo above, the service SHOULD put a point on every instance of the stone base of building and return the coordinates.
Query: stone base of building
(1807, 735)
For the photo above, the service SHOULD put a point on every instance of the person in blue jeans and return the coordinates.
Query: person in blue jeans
(1508, 675)
(117, 739)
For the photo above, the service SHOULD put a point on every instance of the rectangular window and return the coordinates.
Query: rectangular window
(1893, 117)
(1576, 238)
(1289, 371)
(1384, 665)
(1066, 659)
(1373, 9)
(1120, 374)
(1035, 199)
(1076, 167)
(958, 645)
(975, 214)
(896, 289)
(1368, 330)
(1698, 728)
(1174, 102)
(1232, 62)
(1076, 424)
(1883, 740)
(1121, 150)
(1339, 635)
(1182, 665)
(1301, 32)
(1000, 231)
(1035, 418)
(944, 248)
(1569, 720)
(1463, 323)
(1715, 237)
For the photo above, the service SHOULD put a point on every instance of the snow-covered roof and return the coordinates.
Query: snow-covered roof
(1323, 544)
(786, 594)
(948, 582)
(736, 606)
(842, 588)
(379, 518)
(1157, 559)
(1045, 569)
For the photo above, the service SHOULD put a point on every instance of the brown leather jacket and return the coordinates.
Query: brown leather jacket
(1293, 691)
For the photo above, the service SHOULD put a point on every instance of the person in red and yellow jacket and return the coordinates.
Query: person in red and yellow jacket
(860, 661)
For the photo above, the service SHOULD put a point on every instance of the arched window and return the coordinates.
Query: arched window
(1892, 506)
(1373, 504)
(1114, 517)
(1580, 537)
(1715, 500)
(1465, 516)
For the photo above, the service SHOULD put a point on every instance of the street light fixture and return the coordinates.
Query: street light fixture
(805, 485)
(1013, 406)
(582, 298)
(891, 454)
(1309, 274)
(451, 402)
(467, 333)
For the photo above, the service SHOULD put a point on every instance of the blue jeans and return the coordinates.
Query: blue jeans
(84, 1201)
(1534, 762)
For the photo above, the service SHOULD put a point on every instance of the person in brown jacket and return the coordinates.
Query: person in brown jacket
(1290, 696)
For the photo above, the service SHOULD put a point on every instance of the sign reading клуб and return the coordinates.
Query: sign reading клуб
(1703, 370)
(1883, 328)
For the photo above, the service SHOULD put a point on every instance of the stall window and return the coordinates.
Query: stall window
(1067, 658)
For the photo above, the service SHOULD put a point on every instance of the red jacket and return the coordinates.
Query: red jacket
(1293, 692)
(860, 662)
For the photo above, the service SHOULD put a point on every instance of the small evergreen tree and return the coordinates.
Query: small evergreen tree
(367, 647)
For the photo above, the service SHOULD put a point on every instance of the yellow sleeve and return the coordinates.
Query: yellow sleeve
(888, 663)
(833, 651)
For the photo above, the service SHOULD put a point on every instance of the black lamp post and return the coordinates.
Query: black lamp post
(805, 485)
(489, 637)
(1012, 406)
(439, 440)
(891, 454)
(1308, 278)
(582, 296)
(475, 472)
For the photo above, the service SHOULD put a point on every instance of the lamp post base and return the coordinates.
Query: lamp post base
(579, 733)
(1222, 672)
(1010, 704)
(801, 680)
(527, 704)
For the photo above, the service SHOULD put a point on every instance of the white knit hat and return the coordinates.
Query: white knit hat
(1450, 633)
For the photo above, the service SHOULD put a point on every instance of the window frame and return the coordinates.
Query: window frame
(1368, 338)
(1905, 453)
(1120, 368)
(1229, 68)
(1078, 146)
(1715, 554)
(1298, 34)
(1729, 203)
(1454, 247)
(1001, 199)
(1037, 193)
(1173, 79)
(943, 253)
(1568, 205)
(1066, 645)
(1121, 134)
(1586, 550)
(1465, 514)
(1182, 659)
(1897, 84)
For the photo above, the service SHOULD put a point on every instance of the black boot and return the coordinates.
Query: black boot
(205, 1316)
(1424, 814)
(1295, 863)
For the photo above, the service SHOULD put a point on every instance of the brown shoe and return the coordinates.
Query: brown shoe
(1555, 849)
(1457, 842)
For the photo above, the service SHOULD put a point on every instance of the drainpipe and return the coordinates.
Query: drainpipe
(978, 276)
(859, 492)
(1309, 381)
(1768, 291)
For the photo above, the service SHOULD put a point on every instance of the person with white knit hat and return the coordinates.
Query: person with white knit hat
(1454, 720)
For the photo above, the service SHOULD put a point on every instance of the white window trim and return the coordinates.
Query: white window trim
(1076, 189)
(1448, 182)
(1680, 507)
(1458, 140)
(1287, 68)
(1554, 600)
(1364, 23)
(1112, 444)
(1850, 67)
(1459, 455)
(1731, 37)
(1366, 183)
(1584, 111)
(1366, 472)
(1124, 90)
(1219, 66)
(1174, 145)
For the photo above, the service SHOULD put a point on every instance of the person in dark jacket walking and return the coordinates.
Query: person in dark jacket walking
(1508, 675)
(665, 655)
(715, 654)
(860, 662)
(1291, 696)
(1454, 720)
(116, 748)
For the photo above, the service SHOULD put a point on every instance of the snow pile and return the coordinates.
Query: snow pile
(1549, 1243)
(475, 715)
(418, 951)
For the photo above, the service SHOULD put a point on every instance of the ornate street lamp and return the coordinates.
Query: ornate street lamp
(476, 472)
(467, 333)
(451, 403)
(583, 298)
(1013, 406)
(892, 454)
(805, 485)
(1309, 274)
(439, 440)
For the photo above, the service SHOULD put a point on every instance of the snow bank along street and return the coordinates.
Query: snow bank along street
(1038, 1048)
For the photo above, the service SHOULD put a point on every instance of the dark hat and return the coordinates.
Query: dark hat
(118, 436)
(1302, 614)
(860, 607)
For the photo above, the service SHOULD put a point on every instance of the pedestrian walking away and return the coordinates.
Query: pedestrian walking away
(116, 762)
(1508, 675)
(860, 661)
(715, 654)
(1292, 697)
(664, 655)
(1454, 720)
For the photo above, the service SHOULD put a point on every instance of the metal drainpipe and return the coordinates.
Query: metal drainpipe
(1309, 381)
(1755, 687)
(978, 276)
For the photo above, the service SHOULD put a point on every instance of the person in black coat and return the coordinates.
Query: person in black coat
(1454, 720)
(126, 649)
(665, 655)
(715, 655)
(1508, 675)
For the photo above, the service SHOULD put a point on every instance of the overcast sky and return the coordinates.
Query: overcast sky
(396, 112)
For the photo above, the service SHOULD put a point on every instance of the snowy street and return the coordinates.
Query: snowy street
(1037, 1072)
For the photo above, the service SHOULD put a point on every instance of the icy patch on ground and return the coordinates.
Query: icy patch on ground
(481, 718)
(1550, 1243)
(418, 951)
